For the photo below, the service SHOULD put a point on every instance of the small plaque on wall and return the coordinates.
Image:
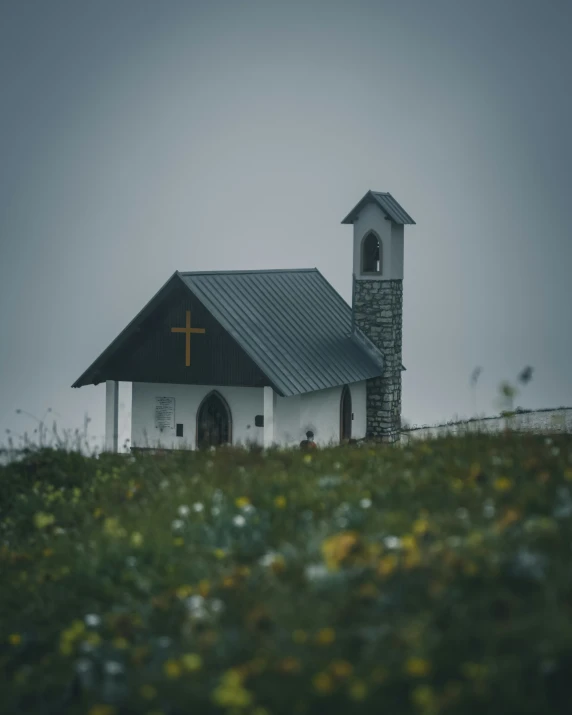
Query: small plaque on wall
(165, 413)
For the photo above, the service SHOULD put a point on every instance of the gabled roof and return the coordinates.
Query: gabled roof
(291, 323)
(386, 202)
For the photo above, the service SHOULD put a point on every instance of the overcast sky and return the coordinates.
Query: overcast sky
(141, 137)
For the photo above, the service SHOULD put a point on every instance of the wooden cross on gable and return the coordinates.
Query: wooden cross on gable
(188, 330)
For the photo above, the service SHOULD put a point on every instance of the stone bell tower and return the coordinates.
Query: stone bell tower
(377, 302)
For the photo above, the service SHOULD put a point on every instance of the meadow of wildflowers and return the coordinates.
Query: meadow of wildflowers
(431, 578)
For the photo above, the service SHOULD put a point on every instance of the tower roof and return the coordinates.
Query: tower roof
(387, 204)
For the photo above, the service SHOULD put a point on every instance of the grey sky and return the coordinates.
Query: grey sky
(142, 137)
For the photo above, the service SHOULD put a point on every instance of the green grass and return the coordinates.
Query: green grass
(433, 578)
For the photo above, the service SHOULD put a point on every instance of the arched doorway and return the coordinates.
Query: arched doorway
(346, 414)
(214, 426)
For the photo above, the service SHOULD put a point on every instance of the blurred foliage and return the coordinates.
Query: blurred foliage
(430, 578)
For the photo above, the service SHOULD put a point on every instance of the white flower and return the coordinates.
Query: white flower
(164, 484)
(248, 508)
(337, 465)
(177, 524)
(92, 620)
(239, 520)
(392, 542)
(217, 605)
(489, 509)
(365, 503)
(183, 510)
(113, 667)
(268, 559)
(462, 513)
(195, 601)
(198, 507)
(83, 665)
(314, 572)
(196, 607)
(215, 511)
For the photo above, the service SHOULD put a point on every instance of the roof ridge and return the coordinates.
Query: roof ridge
(259, 270)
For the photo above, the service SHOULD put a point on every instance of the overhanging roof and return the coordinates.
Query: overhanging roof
(291, 323)
(386, 202)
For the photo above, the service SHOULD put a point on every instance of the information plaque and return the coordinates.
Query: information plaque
(165, 413)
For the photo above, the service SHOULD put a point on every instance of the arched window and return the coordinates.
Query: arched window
(346, 414)
(214, 424)
(371, 254)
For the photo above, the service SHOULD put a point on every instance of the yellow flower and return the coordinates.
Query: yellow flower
(172, 669)
(299, 636)
(280, 502)
(14, 639)
(568, 474)
(289, 665)
(136, 539)
(408, 542)
(93, 638)
(204, 588)
(326, 636)
(387, 565)
(230, 692)
(41, 519)
(219, 553)
(323, 683)
(357, 690)
(341, 668)
(307, 458)
(184, 591)
(121, 643)
(423, 697)
(192, 661)
(412, 559)
(97, 512)
(242, 502)
(417, 667)
(178, 541)
(102, 710)
(148, 692)
(420, 527)
(112, 528)
(337, 547)
(502, 484)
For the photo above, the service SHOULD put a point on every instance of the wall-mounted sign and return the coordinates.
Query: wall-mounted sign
(165, 413)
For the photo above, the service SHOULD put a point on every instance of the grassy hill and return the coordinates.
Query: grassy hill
(433, 578)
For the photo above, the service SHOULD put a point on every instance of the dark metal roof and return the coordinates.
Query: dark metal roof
(292, 323)
(387, 204)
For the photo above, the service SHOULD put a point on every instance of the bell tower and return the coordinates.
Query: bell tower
(377, 302)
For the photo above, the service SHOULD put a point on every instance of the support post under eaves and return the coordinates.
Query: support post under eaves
(111, 415)
(268, 417)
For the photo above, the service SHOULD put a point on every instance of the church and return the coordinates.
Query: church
(230, 357)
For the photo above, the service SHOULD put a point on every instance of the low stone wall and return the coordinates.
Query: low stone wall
(543, 421)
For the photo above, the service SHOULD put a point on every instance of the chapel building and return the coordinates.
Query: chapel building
(223, 357)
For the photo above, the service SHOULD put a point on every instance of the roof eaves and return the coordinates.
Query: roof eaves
(123, 335)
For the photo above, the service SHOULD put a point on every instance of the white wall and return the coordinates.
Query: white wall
(287, 430)
(293, 416)
(244, 404)
(320, 412)
(371, 217)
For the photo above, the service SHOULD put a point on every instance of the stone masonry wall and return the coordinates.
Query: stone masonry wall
(378, 312)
